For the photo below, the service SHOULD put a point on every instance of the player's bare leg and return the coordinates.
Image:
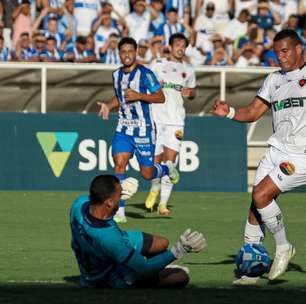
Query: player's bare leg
(121, 160)
(263, 197)
(169, 155)
(155, 188)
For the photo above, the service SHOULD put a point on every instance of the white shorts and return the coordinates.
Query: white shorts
(169, 136)
(287, 171)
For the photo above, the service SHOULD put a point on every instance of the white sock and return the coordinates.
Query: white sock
(166, 189)
(253, 234)
(155, 184)
(272, 216)
(121, 211)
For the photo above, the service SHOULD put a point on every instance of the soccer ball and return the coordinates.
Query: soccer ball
(253, 260)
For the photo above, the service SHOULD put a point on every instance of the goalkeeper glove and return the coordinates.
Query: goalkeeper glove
(129, 188)
(190, 241)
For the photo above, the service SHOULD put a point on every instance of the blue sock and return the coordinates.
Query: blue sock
(121, 177)
(160, 170)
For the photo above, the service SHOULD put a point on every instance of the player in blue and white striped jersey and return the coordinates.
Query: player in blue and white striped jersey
(136, 88)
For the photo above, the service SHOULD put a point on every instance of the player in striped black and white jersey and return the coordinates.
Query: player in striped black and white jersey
(284, 166)
(136, 88)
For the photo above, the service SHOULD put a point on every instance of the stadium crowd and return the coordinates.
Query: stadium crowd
(221, 32)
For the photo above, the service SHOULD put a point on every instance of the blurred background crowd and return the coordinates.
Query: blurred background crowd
(221, 32)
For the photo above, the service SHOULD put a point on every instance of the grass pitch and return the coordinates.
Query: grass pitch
(37, 264)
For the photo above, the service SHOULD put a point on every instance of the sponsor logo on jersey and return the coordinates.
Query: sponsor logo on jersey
(288, 103)
(170, 85)
(179, 134)
(287, 168)
(302, 82)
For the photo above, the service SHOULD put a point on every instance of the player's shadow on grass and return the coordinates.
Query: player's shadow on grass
(72, 279)
(231, 260)
(145, 216)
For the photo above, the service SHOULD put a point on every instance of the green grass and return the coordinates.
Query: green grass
(37, 264)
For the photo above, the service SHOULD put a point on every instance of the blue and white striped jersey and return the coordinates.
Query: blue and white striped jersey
(5, 54)
(168, 29)
(110, 56)
(178, 4)
(135, 118)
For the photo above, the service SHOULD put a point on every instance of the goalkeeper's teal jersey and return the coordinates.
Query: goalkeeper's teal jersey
(102, 248)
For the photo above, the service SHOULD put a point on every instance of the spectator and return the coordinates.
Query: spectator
(144, 55)
(51, 53)
(90, 44)
(157, 16)
(171, 26)
(85, 12)
(78, 53)
(101, 29)
(6, 9)
(182, 8)
(39, 43)
(266, 18)
(240, 5)
(222, 9)
(52, 31)
(122, 8)
(248, 57)
(138, 21)
(24, 51)
(22, 21)
(292, 23)
(109, 53)
(205, 23)
(195, 55)
(220, 58)
(156, 47)
(5, 53)
(67, 24)
(237, 27)
(55, 10)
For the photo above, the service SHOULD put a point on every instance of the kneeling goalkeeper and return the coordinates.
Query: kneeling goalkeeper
(110, 257)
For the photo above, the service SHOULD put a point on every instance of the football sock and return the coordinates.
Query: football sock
(166, 189)
(155, 184)
(253, 234)
(160, 170)
(121, 177)
(272, 217)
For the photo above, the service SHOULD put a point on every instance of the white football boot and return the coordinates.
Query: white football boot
(281, 261)
(245, 280)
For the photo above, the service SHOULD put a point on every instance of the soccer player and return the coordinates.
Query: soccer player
(136, 88)
(284, 166)
(178, 81)
(110, 257)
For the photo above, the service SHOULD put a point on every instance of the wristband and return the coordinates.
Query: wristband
(231, 113)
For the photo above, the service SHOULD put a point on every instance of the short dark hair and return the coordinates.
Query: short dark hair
(127, 40)
(102, 187)
(51, 38)
(172, 10)
(24, 34)
(178, 36)
(287, 33)
(81, 39)
(113, 35)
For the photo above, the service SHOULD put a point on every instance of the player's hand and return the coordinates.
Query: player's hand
(220, 108)
(104, 110)
(190, 241)
(187, 92)
(131, 95)
(129, 188)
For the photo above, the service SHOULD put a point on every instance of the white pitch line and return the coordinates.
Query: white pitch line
(37, 281)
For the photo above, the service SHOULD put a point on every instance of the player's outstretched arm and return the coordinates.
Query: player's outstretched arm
(105, 108)
(156, 97)
(249, 113)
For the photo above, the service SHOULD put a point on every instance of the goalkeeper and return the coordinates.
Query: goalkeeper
(110, 257)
